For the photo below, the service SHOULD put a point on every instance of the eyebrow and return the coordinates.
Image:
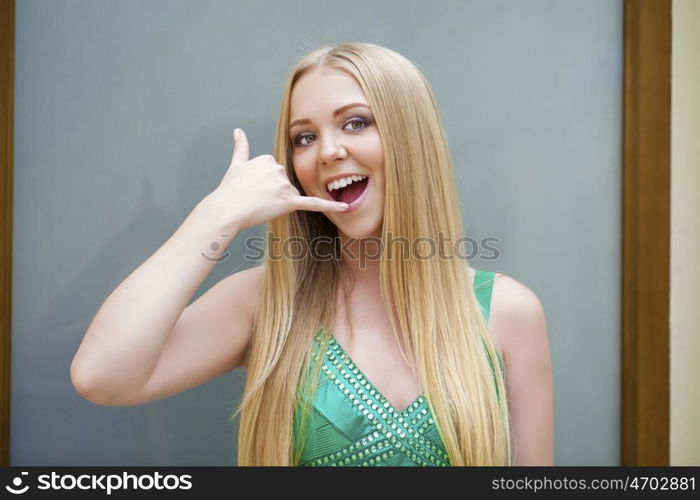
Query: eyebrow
(303, 121)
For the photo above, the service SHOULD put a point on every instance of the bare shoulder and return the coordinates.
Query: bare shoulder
(237, 294)
(517, 317)
(518, 321)
(247, 281)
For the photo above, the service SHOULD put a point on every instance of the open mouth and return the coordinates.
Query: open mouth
(351, 192)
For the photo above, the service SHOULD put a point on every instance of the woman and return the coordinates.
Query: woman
(354, 357)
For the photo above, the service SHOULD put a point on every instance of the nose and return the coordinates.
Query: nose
(331, 149)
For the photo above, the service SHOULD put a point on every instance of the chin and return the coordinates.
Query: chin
(359, 231)
(358, 235)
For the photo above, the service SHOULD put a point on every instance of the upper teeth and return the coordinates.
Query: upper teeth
(344, 181)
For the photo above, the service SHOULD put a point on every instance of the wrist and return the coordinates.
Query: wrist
(214, 214)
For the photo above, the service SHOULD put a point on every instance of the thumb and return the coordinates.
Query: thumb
(241, 149)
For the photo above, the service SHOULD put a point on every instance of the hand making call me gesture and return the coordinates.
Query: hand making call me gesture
(256, 191)
(145, 342)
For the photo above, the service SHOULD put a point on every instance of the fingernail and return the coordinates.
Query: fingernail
(236, 134)
(344, 206)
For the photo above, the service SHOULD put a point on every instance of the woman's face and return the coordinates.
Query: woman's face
(333, 136)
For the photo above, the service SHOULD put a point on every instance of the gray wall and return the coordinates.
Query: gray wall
(124, 113)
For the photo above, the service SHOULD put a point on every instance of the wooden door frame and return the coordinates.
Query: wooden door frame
(646, 233)
(7, 106)
(646, 224)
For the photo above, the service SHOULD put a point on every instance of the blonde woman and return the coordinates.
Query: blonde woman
(363, 348)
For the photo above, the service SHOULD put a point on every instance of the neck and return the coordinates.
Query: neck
(362, 257)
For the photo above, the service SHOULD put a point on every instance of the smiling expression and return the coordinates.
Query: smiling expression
(333, 134)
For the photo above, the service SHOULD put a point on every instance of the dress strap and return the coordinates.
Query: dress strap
(483, 286)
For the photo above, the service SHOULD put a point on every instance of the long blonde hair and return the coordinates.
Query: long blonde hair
(440, 330)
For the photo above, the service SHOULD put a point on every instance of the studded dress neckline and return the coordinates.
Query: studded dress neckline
(388, 436)
(351, 423)
(335, 345)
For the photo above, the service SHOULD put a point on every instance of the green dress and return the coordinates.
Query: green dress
(352, 424)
